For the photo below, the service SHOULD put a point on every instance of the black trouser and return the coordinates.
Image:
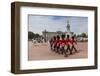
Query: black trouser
(68, 48)
(58, 49)
(51, 46)
(63, 51)
(54, 48)
(73, 48)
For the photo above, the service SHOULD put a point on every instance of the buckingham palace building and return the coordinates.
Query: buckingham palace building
(48, 35)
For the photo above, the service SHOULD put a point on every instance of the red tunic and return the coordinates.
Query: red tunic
(58, 42)
(55, 42)
(68, 41)
(63, 42)
(73, 41)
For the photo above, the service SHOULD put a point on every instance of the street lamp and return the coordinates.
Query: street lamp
(45, 35)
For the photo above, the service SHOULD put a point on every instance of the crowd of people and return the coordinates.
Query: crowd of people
(63, 45)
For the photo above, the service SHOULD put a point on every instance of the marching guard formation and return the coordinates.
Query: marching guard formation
(63, 45)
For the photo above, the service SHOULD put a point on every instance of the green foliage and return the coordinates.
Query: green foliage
(83, 35)
(32, 35)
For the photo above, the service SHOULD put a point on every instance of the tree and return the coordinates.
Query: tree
(30, 35)
(83, 35)
(75, 35)
(37, 36)
(79, 35)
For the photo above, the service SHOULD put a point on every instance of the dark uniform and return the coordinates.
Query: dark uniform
(68, 42)
(58, 44)
(73, 42)
(51, 44)
(63, 43)
(54, 43)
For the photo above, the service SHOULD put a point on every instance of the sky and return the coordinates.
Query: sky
(38, 23)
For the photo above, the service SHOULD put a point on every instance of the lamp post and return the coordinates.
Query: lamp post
(45, 34)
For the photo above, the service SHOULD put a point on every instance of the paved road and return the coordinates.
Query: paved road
(41, 51)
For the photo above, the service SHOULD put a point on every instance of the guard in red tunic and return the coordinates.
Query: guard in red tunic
(63, 43)
(51, 43)
(68, 42)
(54, 43)
(73, 43)
(58, 41)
